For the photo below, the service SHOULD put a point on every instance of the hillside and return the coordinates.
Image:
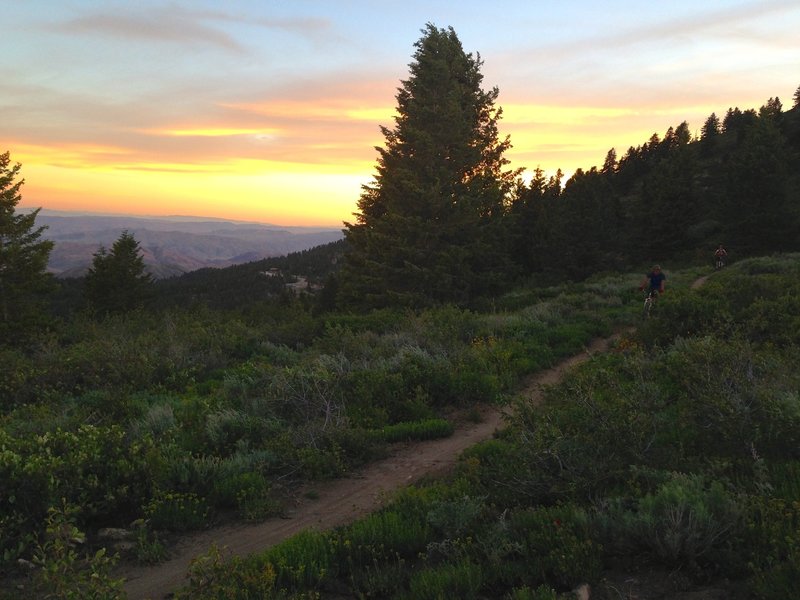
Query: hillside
(164, 422)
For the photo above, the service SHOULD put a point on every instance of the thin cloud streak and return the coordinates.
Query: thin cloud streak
(163, 26)
(175, 25)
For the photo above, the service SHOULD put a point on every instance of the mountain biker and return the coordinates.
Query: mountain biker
(654, 281)
(720, 255)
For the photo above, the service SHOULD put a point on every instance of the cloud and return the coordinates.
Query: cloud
(725, 23)
(164, 25)
(177, 25)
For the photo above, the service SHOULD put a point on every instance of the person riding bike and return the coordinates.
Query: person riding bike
(654, 281)
(720, 256)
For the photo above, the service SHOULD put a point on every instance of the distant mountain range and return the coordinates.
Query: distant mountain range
(172, 245)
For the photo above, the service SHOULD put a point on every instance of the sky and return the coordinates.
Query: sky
(270, 111)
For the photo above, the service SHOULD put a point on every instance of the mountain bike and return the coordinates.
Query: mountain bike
(649, 301)
(719, 262)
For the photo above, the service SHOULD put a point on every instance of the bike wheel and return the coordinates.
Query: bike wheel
(648, 304)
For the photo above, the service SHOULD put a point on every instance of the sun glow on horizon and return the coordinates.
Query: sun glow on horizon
(212, 132)
(284, 198)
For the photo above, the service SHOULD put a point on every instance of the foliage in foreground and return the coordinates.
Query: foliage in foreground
(177, 419)
(677, 450)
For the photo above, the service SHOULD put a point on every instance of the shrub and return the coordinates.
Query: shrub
(773, 320)
(301, 562)
(785, 480)
(150, 549)
(771, 544)
(321, 462)
(359, 446)
(543, 592)
(157, 422)
(461, 580)
(94, 467)
(683, 313)
(212, 578)
(455, 518)
(383, 534)
(685, 521)
(15, 376)
(229, 429)
(62, 572)
(556, 546)
(177, 511)
(380, 579)
(253, 499)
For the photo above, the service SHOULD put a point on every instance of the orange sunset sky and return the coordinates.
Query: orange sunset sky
(270, 111)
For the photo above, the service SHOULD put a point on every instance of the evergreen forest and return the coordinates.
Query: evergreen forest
(163, 407)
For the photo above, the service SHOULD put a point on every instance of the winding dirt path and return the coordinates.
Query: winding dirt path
(341, 501)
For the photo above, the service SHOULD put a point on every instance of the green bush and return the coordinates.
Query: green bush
(359, 446)
(381, 579)
(495, 466)
(301, 562)
(770, 545)
(461, 580)
(454, 518)
(687, 521)
(556, 546)
(773, 320)
(785, 480)
(177, 511)
(15, 377)
(212, 578)
(543, 592)
(372, 394)
(229, 430)
(249, 492)
(150, 549)
(380, 535)
(63, 573)
(93, 467)
(322, 462)
(684, 313)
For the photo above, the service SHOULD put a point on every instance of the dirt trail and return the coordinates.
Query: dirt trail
(341, 501)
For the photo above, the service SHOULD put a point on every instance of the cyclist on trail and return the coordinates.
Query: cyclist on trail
(654, 281)
(720, 256)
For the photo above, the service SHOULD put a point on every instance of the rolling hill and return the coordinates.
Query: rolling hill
(172, 245)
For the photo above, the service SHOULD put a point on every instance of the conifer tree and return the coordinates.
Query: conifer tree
(429, 228)
(759, 207)
(531, 227)
(709, 134)
(117, 281)
(587, 225)
(24, 280)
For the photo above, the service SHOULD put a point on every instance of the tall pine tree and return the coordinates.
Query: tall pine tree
(23, 260)
(429, 228)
